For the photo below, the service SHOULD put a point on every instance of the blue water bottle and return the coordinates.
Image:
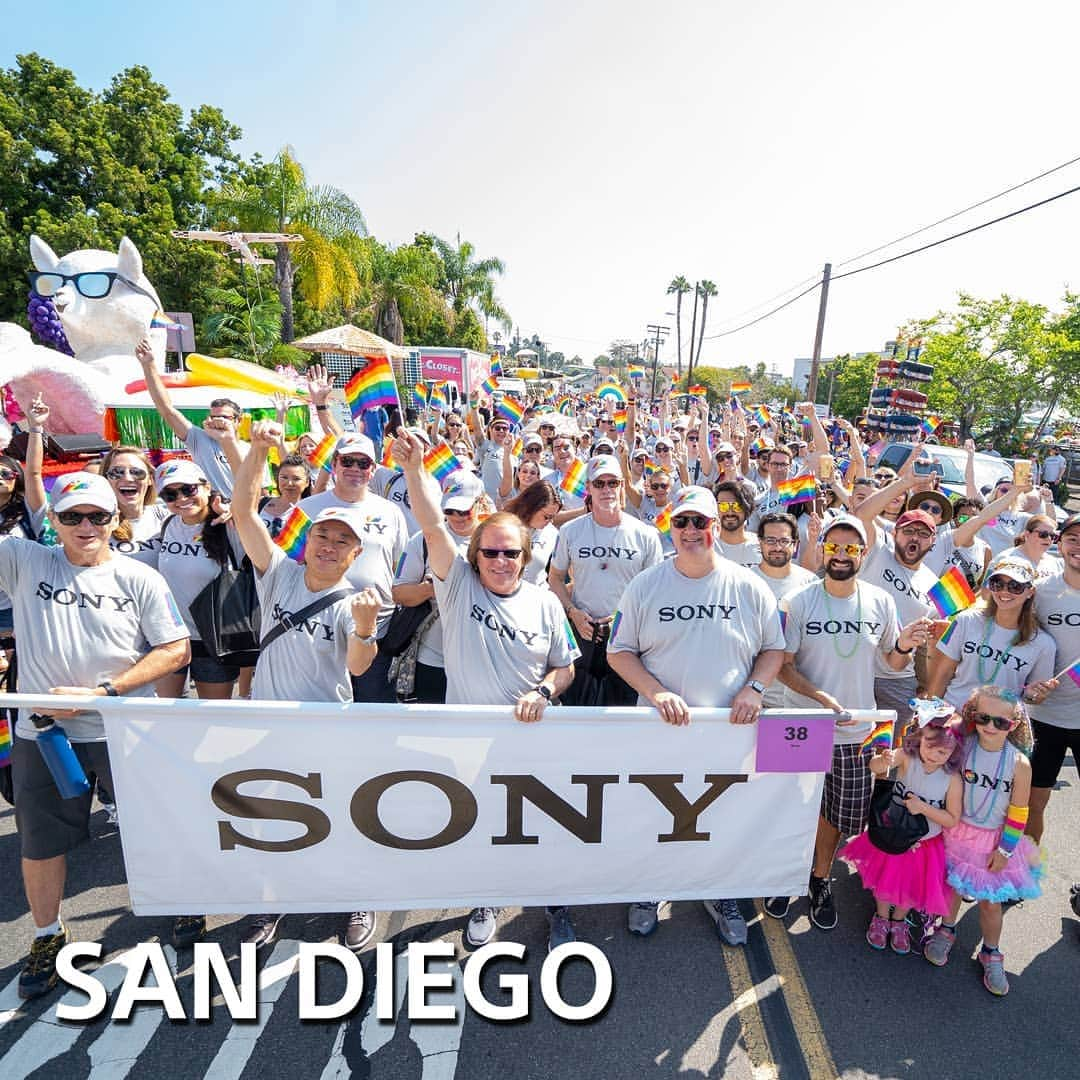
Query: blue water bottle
(55, 746)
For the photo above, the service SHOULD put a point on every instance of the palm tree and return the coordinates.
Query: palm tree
(332, 261)
(244, 326)
(705, 290)
(468, 280)
(404, 286)
(679, 286)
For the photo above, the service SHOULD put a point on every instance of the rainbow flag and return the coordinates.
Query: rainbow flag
(161, 321)
(619, 419)
(490, 385)
(880, 738)
(294, 534)
(420, 394)
(511, 409)
(951, 593)
(740, 387)
(388, 457)
(371, 387)
(323, 454)
(760, 444)
(948, 631)
(1073, 671)
(762, 415)
(697, 390)
(441, 461)
(437, 398)
(651, 468)
(800, 489)
(573, 483)
(565, 404)
(636, 372)
(5, 741)
(518, 448)
(663, 520)
(496, 365)
(611, 389)
(930, 424)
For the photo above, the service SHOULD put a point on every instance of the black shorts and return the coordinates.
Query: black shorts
(1051, 744)
(49, 825)
(845, 801)
(205, 668)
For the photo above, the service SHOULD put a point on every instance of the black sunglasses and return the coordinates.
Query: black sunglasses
(74, 517)
(118, 472)
(1002, 723)
(458, 513)
(601, 484)
(347, 461)
(1043, 534)
(93, 284)
(494, 553)
(996, 584)
(689, 521)
(171, 494)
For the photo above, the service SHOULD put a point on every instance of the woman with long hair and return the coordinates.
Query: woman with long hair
(141, 514)
(293, 482)
(1032, 545)
(995, 643)
(536, 507)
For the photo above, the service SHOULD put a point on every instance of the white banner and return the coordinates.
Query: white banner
(245, 806)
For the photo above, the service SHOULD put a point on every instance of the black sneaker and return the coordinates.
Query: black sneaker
(360, 929)
(38, 975)
(822, 908)
(777, 906)
(187, 929)
(261, 930)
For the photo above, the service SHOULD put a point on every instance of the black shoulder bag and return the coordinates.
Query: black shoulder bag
(892, 827)
(289, 619)
(403, 624)
(226, 612)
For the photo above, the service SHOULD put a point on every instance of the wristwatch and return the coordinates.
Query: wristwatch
(369, 640)
(543, 691)
(755, 685)
(109, 689)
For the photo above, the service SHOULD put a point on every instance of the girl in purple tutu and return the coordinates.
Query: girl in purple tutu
(987, 855)
(928, 783)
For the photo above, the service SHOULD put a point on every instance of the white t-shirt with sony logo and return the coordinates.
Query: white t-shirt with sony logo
(1057, 607)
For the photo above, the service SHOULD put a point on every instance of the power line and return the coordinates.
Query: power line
(950, 217)
(956, 236)
(761, 318)
(755, 307)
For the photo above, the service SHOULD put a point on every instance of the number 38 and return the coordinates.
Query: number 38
(795, 734)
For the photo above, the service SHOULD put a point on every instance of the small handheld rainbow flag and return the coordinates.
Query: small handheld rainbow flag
(762, 415)
(930, 424)
(441, 461)
(698, 390)
(323, 454)
(420, 394)
(618, 418)
(294, 534)
(437, 398)
(1073, 671)
(490, 385)
(611, 389)
(651, 468)
(740, 387)
(636, 372)
(518, 448)
(880, 738)
(800, 489)
(388, 456)
(947, 633)
(511, 409)
(371, 387)
(663, 520)
(5, 741)
(161, 321)
(496, 365)
(574, 481)
(951, 593)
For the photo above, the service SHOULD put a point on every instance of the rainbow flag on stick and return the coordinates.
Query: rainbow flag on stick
(880, 738)
(511, 409)
(762, 415)
(1073, 671)
(496, 365)
(573, 483)
(697, 390)
(800, 489)
(740, 387)
(323, 454)
(388, 457)
(441, 461)
(930, 424)
(618, 418)
(294, 534)
(636, 372)
(420, 394)
(663, 520)
(371, 387)
(951, 593)
(490, 385)
(437, 398)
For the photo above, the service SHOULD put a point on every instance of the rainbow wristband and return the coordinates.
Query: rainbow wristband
(1015, 820)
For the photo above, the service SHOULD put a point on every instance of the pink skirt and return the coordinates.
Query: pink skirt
(967, 855)
(913, 879)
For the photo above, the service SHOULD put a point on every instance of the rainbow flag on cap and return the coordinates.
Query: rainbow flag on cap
(951, 593)
(371, 387)
(574, 481)
(511, 409)
(323, 454)
(294, 534)
(441, 461)
(800, 489)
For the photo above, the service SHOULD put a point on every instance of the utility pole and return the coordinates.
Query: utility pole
(658, 331)
(815, 360)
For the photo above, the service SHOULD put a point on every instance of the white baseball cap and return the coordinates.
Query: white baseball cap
(82, 489)
(180, 471)
(347, 515)
(848, 521)
(532, 439)
(461, 491)
(603, 465)
(356, 444)
(694, 499)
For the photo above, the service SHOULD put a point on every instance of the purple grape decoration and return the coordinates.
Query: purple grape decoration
(45, 323)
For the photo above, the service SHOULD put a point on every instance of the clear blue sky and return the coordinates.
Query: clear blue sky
(602, 148)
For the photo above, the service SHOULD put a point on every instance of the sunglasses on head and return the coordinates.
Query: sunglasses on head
(601, 484)
(10, 474)
(76, 517)
(997, 584)
(1002, 723)
(931, 508)
(1043, 534)
(348, 461)
(689, 521)
(494, 553)
(171, 494)
(830, 547)
(118, 472)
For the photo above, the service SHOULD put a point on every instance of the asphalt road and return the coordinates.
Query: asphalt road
(795, 1003)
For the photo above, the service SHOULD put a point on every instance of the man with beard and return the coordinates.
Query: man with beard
(836, 631)
(778, 466)
(722, 657)
(735, 503)
(778, 537)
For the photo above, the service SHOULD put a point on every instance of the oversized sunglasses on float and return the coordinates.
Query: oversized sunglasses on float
(93, 284)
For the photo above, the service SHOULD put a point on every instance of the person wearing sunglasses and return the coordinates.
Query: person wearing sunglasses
(650, 501)
(517, 476)
(839, 633)
(596, 557)
(491, 453)
(142, 514)
(697, 631)
(1032, 545)
(538, 506)
(987, 856)
(208, 453)
(505, 640)
(385, 537)
(996, 642)
(1055, 705)
(726, 457)
(1007, 524)
(563, 456)
(93, 625)
(733, 540)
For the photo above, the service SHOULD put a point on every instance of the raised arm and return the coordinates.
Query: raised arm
(177, 421)
(633, 496)
(33, 485)
(963, 535)
(408, 452)
(247, 483)
(319, 385)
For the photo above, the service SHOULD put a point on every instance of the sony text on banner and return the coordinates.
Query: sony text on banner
(232, 807)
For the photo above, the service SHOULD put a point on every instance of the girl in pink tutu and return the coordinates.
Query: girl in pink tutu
(987, 855)
(928, 783)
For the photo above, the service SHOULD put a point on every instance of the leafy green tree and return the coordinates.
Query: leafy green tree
(243, 326)
(852, 378)
(717, 381)
(404, 302)
(680, 287)
(468, 281)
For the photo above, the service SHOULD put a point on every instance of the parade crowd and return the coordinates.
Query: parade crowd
(599, 551)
